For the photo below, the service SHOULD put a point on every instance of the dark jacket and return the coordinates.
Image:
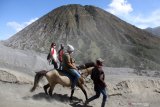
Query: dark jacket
(98, 77)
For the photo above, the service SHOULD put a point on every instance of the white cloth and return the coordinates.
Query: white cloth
(54, 54)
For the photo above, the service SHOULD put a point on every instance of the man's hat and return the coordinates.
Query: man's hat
(70, 48)
(100, 60)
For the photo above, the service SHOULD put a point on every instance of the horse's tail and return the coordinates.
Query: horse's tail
(37, 78)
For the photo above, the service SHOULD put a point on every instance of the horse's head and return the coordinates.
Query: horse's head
(86, 69)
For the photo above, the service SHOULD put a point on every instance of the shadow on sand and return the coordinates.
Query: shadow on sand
(76, 102)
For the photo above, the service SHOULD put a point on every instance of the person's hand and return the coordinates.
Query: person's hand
(74, 67)
(105, 84)
(77, 67)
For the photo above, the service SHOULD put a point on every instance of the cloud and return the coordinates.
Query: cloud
(16, 26)
(31, 21)
(119, 7)
(142, 21)
(123, 9)
(153, 19)
(19, 26)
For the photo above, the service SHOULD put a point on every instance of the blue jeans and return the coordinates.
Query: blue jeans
(98, 92)
(75, 76)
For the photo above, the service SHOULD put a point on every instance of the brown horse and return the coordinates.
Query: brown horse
(55, 77)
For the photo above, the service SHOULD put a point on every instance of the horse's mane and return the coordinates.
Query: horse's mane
(86, 65)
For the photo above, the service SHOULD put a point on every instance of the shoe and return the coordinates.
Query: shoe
(86, 102)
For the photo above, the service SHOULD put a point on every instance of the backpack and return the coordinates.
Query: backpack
(49, 56)
(60, 55)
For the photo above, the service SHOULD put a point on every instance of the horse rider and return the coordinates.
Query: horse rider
(68, 65)
(53, 53)
(98, 78)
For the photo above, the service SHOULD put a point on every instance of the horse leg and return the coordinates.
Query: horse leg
(72, 92)
(45, 88)
(51, 89)
(83, 90)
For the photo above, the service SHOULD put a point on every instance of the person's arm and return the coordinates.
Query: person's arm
(51, 53)
(59, 51)
(70, 65)
(102, 77)
(60, 55)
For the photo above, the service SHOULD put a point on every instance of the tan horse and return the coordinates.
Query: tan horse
(54, 77)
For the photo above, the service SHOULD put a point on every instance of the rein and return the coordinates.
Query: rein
(87, 71)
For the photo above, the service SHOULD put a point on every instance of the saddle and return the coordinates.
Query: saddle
(66, 74)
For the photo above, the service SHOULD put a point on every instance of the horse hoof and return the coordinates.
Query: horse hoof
(50, 95)
(86, 102)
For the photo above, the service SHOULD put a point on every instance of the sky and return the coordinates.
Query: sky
(17, 14)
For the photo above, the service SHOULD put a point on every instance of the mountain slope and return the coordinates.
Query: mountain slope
(94, 33)
(155, 31)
